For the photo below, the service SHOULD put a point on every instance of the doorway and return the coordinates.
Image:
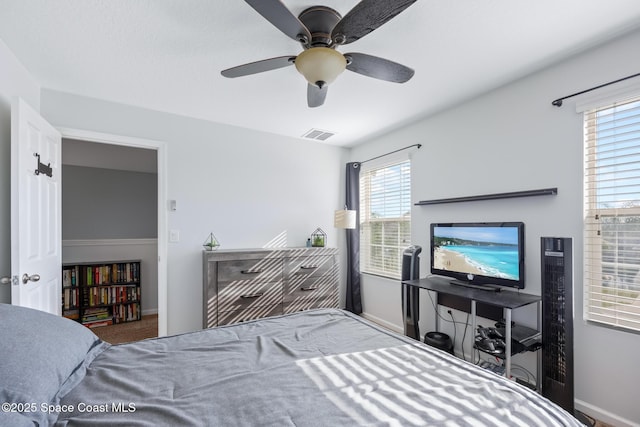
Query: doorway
(105, 152)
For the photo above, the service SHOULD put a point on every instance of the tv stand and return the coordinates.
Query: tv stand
(489, 288)
(508, 300)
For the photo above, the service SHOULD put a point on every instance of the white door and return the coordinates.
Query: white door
(36, 224)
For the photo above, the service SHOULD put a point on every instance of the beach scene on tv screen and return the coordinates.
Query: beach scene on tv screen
(485, 251)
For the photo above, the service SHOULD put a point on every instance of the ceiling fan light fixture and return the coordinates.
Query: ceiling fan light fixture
(320, 65)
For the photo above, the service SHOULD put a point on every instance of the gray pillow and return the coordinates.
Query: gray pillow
(39, 353)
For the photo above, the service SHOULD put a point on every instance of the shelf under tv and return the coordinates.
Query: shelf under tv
(523, 339)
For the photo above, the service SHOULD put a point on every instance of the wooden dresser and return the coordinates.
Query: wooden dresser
(246, 284)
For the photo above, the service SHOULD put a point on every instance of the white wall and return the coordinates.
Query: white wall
(14, 81)
(514, 139)
(246, 187)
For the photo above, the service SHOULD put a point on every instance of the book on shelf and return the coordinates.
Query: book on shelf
(98, 323)
(69, 298)
(70, 276)
(127, 313)
(97, 311)
(111, 295)
(71, 314)
(105, 316)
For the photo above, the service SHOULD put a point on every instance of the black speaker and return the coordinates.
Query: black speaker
(557, 321)
(410, 294)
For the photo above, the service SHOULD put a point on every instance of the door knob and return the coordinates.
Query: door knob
(33, 278)
(5, 280)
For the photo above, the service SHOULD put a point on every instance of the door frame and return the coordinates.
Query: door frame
(161, 148)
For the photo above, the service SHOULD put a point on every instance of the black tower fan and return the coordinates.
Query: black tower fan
(410, 294)
(557, 321)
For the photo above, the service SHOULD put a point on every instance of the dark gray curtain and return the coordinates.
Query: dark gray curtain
(354, 300)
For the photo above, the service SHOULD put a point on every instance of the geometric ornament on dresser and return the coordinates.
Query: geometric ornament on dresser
(248, 284)
(102, 293)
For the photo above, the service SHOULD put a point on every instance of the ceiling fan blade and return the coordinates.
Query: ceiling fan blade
(316, 95)
(365, 17)
(378, 68)
(258, 66)
(281, 17)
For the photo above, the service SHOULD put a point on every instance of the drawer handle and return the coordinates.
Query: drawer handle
(310, 288)
(250, 271)
(309, 267)
(256, 295)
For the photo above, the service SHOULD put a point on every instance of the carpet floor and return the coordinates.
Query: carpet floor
(128, 332)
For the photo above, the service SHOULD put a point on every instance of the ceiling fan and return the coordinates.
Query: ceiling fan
(320, 30)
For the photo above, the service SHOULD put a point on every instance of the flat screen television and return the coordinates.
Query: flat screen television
(484, 254)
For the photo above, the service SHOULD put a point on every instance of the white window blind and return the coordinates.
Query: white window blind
(612, 215)
(385, 218)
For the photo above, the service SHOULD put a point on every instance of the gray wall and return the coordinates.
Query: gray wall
(108, 204)
(508, 140)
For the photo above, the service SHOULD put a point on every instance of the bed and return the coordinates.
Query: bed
(322, 367)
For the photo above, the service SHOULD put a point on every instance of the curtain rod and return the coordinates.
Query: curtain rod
(386, 154)
(558, 102)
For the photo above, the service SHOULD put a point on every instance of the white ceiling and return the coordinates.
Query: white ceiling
(167, 55)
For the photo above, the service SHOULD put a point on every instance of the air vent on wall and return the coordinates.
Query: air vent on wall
(317, 134)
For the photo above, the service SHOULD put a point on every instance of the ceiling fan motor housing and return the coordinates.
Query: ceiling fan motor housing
(320, 21)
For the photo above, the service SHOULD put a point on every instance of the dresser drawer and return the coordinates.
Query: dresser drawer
(297, 268)
(237, 316)
(311, 287)
(309, 303)
(238, 296)
(250, 270)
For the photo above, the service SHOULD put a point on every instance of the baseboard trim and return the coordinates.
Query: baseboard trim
(384, 323)
(603, 415)
(150, 311)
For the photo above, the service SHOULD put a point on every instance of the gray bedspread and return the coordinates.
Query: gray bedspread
(316, 368)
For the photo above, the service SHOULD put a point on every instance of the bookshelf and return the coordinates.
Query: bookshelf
(102, 293)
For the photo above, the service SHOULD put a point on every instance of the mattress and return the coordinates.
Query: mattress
(316, 368)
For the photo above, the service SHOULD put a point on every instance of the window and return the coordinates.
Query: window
(385, 218)
(612, 215)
